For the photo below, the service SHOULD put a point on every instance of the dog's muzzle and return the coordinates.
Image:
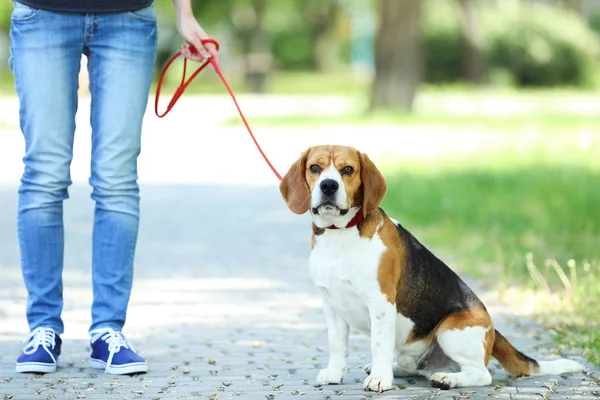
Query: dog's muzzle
(328, 205)
(329, 187)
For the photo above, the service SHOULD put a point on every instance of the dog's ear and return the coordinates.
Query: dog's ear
(373, 184)
(294, 188)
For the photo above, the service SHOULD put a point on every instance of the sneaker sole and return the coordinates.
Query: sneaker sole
(35, 367)
(132, 368)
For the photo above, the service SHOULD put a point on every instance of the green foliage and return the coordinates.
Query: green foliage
(293, 51)
(595, 22)
(543, 46)
(291, 45)
(296, 29)
(534, 44)
(6, 8)
(527, 43)
(441, 41)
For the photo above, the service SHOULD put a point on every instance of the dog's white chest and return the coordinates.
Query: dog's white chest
(344, 268)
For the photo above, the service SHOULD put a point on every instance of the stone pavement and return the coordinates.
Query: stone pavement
(222, 304)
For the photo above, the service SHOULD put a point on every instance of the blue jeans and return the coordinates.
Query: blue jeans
(46, 50)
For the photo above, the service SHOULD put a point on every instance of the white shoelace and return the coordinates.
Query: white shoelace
(45, 337)
(115, 341)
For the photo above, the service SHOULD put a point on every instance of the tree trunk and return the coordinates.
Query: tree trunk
(575, 5)
(321, 15)
(398, 55)
(247, 20)
(258, 54)
(472, 63)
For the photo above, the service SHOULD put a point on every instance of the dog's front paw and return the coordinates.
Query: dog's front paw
(444, 381)
(377, 382)
(330, 376)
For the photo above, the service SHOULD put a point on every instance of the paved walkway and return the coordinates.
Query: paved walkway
(222, 305)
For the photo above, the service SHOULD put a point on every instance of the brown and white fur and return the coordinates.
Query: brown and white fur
(377, 278)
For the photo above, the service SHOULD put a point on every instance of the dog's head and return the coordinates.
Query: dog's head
(333, 182)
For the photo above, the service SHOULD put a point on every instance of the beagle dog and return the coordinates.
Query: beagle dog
(374, 276)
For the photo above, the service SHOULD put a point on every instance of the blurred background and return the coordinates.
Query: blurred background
(386, 50)
(485, 112)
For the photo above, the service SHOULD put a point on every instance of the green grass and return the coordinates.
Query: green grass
(278, 83)
(339, 83)
(491, 210)
(553, 122)
(7, 85)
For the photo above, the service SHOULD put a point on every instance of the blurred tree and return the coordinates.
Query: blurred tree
(308, 34)
(321, 16)
(398, 55)
(472, 60)
(248, 21)
(574, 4)
(6, 8)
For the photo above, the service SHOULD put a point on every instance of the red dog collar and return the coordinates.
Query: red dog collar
(357, 219)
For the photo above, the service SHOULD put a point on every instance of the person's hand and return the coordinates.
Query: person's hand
(192, 33)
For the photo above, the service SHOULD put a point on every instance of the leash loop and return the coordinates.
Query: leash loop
(185, 83)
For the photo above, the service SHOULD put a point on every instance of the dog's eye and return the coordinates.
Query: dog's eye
(315, 169)
(347, 170)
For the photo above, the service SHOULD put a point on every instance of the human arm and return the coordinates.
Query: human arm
(191, 31)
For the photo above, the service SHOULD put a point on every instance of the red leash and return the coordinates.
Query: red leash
(184, 84)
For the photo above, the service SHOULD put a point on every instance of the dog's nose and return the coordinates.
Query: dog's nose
(329, 186)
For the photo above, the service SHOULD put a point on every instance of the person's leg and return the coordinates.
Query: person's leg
(46, 49)
(121, 56)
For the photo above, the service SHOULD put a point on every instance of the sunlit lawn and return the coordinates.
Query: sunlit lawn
(490, 211)
(547, 122)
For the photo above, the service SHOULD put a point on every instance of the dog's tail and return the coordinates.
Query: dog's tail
(517, 363)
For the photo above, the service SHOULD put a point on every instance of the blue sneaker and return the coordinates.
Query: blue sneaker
(113, 353)
(41, 352)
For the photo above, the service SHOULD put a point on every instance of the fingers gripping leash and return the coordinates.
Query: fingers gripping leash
(185, 83)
